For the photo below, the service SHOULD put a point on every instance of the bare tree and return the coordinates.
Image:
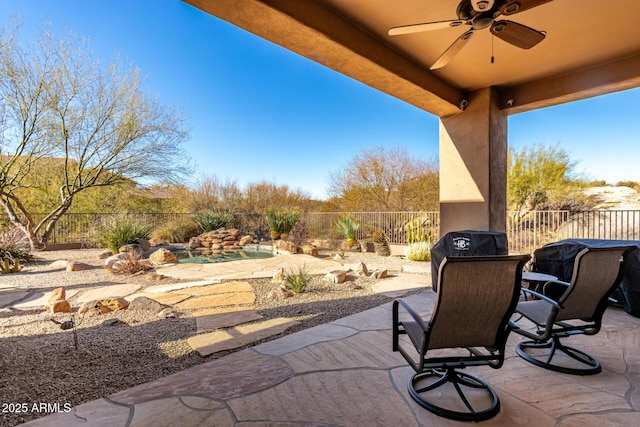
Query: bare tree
(381, 179)
(58, 102)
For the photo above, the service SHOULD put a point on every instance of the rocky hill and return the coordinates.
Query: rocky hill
(614, 198)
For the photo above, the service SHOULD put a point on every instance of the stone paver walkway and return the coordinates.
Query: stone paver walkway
(344, 374)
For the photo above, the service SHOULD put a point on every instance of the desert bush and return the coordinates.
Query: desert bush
(12, 247)
(115, 232)
(213, 219)
(418, 251)
(176, 231)
(129, 263)
(298, 280)
(348, 228)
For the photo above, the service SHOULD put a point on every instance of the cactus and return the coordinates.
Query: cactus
(10, 265)
(381, 243)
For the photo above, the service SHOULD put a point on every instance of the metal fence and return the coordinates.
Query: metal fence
(526, 231)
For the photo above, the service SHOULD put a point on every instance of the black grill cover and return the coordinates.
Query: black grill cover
(558, 258)
(466, 243)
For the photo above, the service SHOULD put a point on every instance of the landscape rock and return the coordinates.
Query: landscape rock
(113, 322)
(194, 243)
(335, 276)
(132, 248)
(338, 256)
(278, 276)
(245, 240)
(93, 308)
(167, 313)
(59, 264)
(309, 249)
(163, 256)
(144, 244)
(78, 266)
(110, 261)
(58, 294)
(105, 254)
(115, 304)
(285, 247)
(60, 306)
(360, 269)
(146, 304)
(379, 274)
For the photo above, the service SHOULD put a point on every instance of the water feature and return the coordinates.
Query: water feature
(209, 256)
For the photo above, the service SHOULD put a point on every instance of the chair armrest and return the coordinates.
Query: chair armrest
(556, 282)
(542, 297)
(415, 316)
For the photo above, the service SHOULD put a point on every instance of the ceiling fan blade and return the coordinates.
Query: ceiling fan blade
(517, 34)
(452, 50)
(428, 26)
(517, 6)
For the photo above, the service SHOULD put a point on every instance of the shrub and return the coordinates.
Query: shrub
(281, 222)
(348, 228)
(118, 231)
(129, 263)
(419, 251)
(213, 219)
(11, 248)
(176, 231)
(297, 281)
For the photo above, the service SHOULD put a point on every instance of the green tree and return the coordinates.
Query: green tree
(539, 176)
(59, 103)
(382, 179)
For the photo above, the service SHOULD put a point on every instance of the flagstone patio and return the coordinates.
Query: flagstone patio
(344, 373)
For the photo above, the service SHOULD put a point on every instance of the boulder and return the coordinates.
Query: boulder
(335, 276)
(338, 256)
(379, 274)
(131, 248)
(146, 304)
(109, 262)
(278, 276)
(144, 244)
(309, 249)
(114, 304)
(105, 254)
(360, 269)
(245, 240)
(78, 266)
(163, 256)
(58, 294)
(59, 264)
(194, 243)
(285, 247)
(59, 306)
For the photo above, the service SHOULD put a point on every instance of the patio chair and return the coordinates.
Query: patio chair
(468, 327)
(578, 310)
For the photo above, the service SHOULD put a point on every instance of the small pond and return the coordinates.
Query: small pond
(208, 256)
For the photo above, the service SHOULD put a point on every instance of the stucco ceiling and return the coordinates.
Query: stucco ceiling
(592, 47)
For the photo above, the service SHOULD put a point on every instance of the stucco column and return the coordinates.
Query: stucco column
(473, 166)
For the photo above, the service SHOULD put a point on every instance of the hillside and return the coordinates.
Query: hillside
(614, 198)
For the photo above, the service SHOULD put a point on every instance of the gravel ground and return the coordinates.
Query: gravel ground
(41, 364)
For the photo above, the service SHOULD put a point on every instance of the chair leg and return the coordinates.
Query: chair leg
(593, 366)
(458, 380)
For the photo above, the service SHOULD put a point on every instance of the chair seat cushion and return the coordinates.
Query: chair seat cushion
(537, 311)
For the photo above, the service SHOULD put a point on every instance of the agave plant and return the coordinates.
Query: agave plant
(348, 228)
(281, 222)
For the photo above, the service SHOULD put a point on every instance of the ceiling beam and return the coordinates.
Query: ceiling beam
(317, 33)
(598, 80)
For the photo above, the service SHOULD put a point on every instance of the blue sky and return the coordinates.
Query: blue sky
(258, 112)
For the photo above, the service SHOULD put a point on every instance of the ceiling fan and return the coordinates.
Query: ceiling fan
(481, 14)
